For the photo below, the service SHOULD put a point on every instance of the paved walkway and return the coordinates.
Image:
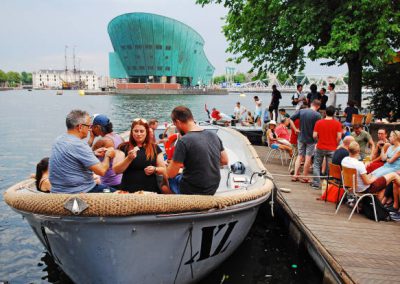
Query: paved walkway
(359, 250)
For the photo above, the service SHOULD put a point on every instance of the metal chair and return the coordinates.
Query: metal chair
(349, 178)
(276, 152)
(335, 178)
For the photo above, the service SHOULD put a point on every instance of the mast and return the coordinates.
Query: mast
(73, 59)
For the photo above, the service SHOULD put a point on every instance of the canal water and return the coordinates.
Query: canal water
(31, 120)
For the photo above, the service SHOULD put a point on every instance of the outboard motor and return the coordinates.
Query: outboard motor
(238, 168)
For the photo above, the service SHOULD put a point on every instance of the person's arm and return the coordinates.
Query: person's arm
(121, 162)
(102, 167)
(368, 179)
(293, 126)
(224, 160)
(173, 168)
(394, 158)
(371, 143)
(107, 143)
(315, 135)
(91, 138)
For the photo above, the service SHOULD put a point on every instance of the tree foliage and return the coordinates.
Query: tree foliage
(385, 81)
(279, 35)
(3, 77)
(13, 78)
(26, 78)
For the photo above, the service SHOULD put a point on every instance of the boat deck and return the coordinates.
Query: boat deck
(359, 250)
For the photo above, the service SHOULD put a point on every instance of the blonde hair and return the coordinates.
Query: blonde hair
(354, 148)
(396, 134)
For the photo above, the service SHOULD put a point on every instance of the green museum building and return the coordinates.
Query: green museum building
(150, 48)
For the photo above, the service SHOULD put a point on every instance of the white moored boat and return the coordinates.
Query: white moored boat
(147, 238)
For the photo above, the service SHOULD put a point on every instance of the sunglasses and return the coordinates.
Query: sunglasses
(87, 125)
(140, 119)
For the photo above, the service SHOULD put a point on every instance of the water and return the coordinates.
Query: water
(30, 121)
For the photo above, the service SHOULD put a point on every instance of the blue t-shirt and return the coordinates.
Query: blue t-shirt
(69, 165)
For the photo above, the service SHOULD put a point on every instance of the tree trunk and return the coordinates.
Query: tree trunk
(355, 80)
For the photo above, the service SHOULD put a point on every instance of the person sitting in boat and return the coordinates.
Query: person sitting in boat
(153, 124)
(273, 139)
(219, 117)
(72, 161)
(103, 128)
(42, 175)
(199, 152)
(249, 120)
(140, 161)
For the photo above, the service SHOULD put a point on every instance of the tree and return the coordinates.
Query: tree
(384, 80)
(13, 78)
(26, 78)
(279, 35)
(3, 78)
(239, 78)
(219, 79)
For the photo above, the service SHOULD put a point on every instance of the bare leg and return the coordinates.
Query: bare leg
(307, 165)
(297, 165)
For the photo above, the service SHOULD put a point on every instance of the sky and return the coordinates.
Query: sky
(34, 34)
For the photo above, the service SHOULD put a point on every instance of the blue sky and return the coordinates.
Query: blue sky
(34, 33)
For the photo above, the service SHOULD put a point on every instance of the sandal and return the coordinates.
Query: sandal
(305, 180)
(294, 179)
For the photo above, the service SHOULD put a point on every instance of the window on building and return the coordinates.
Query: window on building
(166, 57)
(134, 68)
(141, 67)
(148, 46)
(195, 51)
(137, 56)
(123, 46)
(168, 47)
(159, 68)
(129, 46)
(150, 67)
(158, 46)
(138, 46)
(167, 68)
(151, 56)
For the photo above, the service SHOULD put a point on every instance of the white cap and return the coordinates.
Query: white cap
(272, 122)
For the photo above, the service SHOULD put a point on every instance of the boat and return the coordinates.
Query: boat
(59, 93)
(148, 238)
(254, 133)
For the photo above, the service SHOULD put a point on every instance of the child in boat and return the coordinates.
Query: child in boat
(42, 175)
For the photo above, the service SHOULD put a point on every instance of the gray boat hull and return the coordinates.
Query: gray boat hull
(180, 248)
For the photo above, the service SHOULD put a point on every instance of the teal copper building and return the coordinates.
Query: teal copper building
(150, 48)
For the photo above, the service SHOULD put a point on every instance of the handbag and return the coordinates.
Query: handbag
(332, 194)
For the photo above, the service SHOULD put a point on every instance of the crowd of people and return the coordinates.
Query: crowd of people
(106, 163)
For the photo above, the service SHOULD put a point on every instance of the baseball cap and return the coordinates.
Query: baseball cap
(272, 122)
(101, 119)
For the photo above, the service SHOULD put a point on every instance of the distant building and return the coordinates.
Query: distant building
(150, 48)
(56, 79)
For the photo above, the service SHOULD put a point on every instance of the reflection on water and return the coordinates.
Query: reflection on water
(30, 122)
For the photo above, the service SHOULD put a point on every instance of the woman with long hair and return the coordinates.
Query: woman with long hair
(42, 175)
(140, 161)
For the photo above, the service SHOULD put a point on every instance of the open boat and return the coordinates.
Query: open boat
(147, 238)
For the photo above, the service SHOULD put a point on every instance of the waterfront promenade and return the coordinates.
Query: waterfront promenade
(358, 251)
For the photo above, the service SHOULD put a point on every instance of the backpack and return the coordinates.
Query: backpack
(293, 102)
(368, 210)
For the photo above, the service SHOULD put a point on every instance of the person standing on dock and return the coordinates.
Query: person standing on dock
(306, 143)
(331, 95)
(72, 161)
(258, 110)
(199, 152)
(274, 105)
(328, 133)
(298, 98)
(239, 112)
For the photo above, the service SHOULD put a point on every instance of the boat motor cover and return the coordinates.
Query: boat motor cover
(238, 168)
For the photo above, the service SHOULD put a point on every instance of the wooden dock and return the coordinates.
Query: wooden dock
(358, 251)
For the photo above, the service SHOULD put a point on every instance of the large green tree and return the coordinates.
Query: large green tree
(278, 35)
(3, 78)
(13, 78)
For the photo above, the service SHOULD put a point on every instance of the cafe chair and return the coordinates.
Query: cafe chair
(357, 119)
(349, 179)
(276, 152)
(334, 178)
(368, 120)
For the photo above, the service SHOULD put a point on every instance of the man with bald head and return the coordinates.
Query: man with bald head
(342, 151)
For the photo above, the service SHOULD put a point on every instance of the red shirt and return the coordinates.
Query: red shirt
(293, 134)
(327, 130)
(282, 132)
(215, 114)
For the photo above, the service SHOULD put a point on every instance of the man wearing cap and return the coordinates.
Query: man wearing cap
(364, 139)
(72, 161)
(103, 128)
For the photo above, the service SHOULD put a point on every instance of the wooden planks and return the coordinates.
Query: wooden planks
(361, 250)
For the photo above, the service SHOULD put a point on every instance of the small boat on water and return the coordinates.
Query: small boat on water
(59, 93)
(148, 238)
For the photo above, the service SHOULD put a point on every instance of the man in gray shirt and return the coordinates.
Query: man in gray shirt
(72, 161)
(199, 152)
(306, 142)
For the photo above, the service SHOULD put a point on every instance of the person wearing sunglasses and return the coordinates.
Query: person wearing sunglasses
(72, 161)
(199, 152)
(141, 161)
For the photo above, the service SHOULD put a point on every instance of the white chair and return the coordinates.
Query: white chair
(276, 152)
(349, 179)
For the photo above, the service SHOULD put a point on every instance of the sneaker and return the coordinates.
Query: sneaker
(395, 216)
(315, 186)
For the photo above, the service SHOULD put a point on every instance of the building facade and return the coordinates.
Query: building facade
(150, 48)
(57, 79)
